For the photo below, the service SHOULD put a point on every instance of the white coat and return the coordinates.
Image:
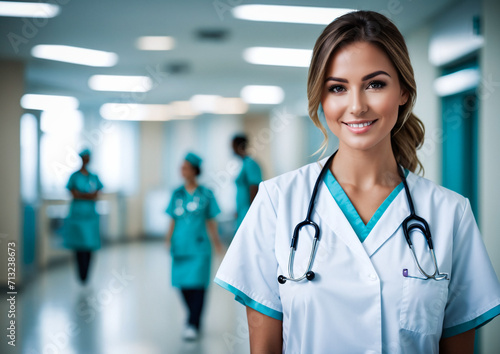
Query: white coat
(359, 301)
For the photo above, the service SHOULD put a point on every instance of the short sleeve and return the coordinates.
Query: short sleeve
(171, 205)
(213, 208)
(254, 174)
(249, 269)
(474, 290)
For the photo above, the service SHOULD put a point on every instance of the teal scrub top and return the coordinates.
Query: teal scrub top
(82, 224)
(250, 175)
(361, 229)
(190, 212)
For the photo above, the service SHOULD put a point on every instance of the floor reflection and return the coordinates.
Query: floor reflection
(128, 306)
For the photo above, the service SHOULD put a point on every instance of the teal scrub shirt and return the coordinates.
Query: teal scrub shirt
(82, 224)
(190, 245)
(250, 175)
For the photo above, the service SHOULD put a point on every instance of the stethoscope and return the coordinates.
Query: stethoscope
(412, 222)
(190, 207)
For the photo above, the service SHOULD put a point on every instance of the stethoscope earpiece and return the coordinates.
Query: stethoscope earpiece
(310, 275)
(281, 279)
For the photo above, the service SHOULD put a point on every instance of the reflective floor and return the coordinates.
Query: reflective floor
(128, 306)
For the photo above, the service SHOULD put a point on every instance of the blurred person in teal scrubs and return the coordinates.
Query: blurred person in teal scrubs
(192, 232)
(82, 223)
(247, 182)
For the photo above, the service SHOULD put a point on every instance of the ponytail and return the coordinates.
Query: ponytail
(406, 140)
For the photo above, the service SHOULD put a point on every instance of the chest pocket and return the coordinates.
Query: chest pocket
(422, 305)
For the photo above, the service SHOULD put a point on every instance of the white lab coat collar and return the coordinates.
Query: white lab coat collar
(391, 220)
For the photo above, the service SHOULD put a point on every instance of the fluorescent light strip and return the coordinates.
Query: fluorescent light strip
(120, 83)
(155, 43)
(147, 112)
(49, 102)
(75, 55)
(457, 82)
(260, 94)
(289, 14)
(278, 56)
(28, 9)
(218, 104)
(61, 123)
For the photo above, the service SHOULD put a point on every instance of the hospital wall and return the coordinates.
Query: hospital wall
(427, 104)
(11, 90)
(489, 170)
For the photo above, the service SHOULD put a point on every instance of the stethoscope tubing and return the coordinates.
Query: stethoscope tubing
(410, 223)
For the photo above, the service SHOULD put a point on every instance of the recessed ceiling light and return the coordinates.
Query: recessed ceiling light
(74, 55)
(120, 83)
(147, 112)
(218, 104)
(290, 14)
(204, 103)
(278, 56)
(28, 9)
(460, 81)
(49, 102)
(231, 105)
(61, 122)
(155, 43)
(260, 94)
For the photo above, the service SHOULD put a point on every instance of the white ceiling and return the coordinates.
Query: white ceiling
(213, 67)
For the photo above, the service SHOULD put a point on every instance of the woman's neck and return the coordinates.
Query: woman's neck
(84, 170)
(366, 168)
(191, 185)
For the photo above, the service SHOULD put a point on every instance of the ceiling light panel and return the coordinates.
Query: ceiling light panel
(155, 43)
(75, 55)
(260, 94)
(460, 81)
(218, 105)
(289, 14)
(120, 83)
(49, 102)
(28, 9)
(278, 56)
(147, 112)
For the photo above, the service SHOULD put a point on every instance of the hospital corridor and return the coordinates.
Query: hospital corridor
(157, 157)
(129, 307)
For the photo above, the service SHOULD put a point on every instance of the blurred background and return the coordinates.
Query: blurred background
(161, 78)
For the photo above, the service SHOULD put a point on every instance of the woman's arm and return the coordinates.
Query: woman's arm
(85, 196)
(265, 333)
(170, 232)
(214, 235)
(462, 343)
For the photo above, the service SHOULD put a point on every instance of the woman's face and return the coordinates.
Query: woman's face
(187, 171)
(361, 96)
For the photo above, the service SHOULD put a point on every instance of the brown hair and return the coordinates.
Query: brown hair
(368, 26)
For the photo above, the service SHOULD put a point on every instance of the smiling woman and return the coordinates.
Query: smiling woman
(378, 60)
(362, 271)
